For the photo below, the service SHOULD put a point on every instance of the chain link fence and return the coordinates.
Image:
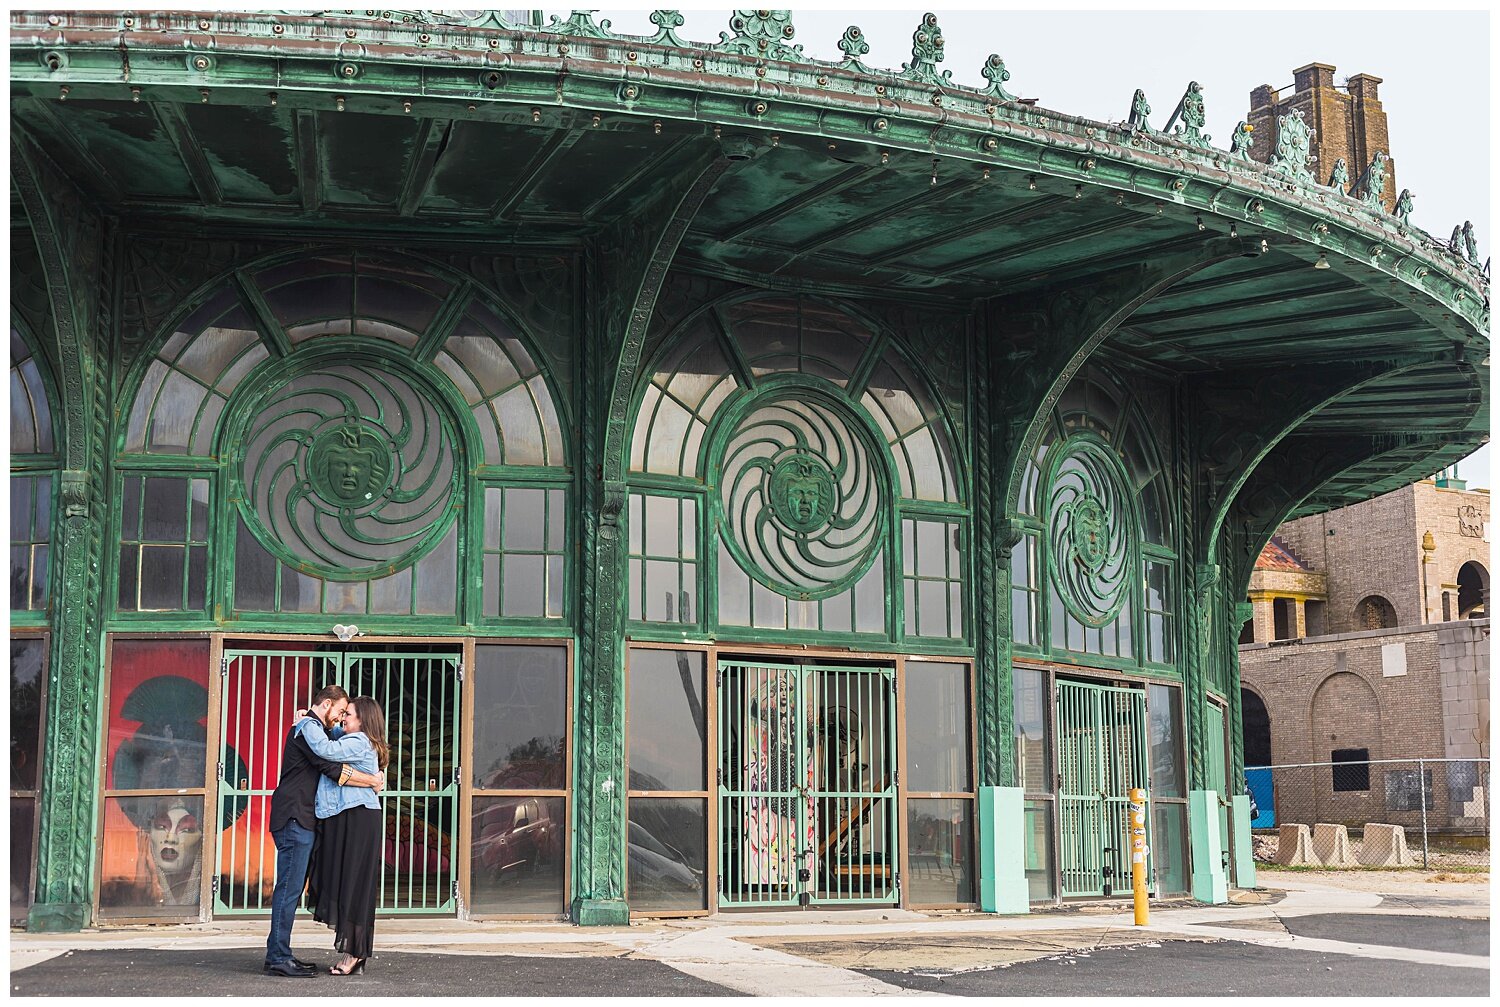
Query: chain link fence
(1443, 805)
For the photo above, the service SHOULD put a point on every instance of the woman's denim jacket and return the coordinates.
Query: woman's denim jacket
(356, 750)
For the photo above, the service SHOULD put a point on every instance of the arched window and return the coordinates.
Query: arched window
(356, 435)
(791, 456)
(1374, 612)
(1473, 591)
(1095, 568)
(1257, 728)
(33, 471)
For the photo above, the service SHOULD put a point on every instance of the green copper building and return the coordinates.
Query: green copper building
(744, 480)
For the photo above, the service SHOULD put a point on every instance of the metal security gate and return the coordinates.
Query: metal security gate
(1101, 753)
(419, 692)
(807, 785)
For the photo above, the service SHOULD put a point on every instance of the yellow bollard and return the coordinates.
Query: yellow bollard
(1137, 846)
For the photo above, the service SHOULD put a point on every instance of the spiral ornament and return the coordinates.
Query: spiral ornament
(1091, 533)
(800, 496)
(347, 471)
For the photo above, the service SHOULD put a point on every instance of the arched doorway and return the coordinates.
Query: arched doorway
(1473, 591)
(1374, 612)
(1257, 729)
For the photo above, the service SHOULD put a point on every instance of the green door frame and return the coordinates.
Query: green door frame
(338, 667)
(1102, 751)
(851, 799)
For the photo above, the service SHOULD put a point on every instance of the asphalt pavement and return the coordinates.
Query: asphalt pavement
(1317, 940)
(160, 973)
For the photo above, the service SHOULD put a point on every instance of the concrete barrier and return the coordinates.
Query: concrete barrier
(1294, 847)
(1330, 845)
(1385, 846)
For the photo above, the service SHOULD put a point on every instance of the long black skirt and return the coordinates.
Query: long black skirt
(341, 884)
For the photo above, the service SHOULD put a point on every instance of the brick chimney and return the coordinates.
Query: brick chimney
(1347, 122)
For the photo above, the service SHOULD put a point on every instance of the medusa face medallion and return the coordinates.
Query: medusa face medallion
(1092, 530)
(1089, 532)
(350, 464)
(348, 469)
(802, 492)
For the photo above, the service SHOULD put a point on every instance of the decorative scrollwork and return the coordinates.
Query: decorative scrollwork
(994, 71)
(853, 46)
(1293, 139)
(1091, 530)
(1140, 112)
(801, 495)
(927, 53)
(347, 470)
(1190, 111)
(761, 33)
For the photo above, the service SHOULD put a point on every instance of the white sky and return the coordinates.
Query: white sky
(1435, 67)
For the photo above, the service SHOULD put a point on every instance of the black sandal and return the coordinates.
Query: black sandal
(357, 968)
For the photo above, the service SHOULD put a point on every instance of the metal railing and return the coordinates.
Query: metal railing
(1442, 804)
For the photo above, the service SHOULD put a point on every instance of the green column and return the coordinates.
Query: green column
(76, 250)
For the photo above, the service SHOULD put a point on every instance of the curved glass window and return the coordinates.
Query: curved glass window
(1094, 571)
(33, 470)
(363, 435)
(790, 464)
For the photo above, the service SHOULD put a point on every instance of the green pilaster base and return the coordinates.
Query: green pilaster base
(1244, 853)
(601, 913)
(1002, 851)
(58, 918)
(1209, 883)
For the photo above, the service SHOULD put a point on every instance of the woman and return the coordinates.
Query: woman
(346, 856)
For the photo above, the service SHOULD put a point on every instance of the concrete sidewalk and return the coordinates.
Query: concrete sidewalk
(851, 953)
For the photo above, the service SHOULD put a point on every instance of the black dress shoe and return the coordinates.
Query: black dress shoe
(302, 964)
(291, 969)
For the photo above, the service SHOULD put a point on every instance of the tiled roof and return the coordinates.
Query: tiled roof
(1277, 555)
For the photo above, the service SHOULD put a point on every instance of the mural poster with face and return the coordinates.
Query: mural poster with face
(157, 757)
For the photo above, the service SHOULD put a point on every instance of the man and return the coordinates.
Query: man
(293, 823)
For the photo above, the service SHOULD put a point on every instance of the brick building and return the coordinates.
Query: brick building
(1404, 693)
(1347, 121)
(1368, 639)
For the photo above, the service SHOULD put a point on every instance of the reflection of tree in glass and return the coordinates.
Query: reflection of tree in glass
(527, 704)
(536, 762)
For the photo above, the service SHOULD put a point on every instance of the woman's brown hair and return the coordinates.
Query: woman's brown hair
(372, 725)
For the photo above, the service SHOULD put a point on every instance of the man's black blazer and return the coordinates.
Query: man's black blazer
(297, 789)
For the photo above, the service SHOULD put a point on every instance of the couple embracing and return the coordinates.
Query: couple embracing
(326, 821)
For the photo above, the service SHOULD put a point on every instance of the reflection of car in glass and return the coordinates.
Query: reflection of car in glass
(517, 834)
(656, 865)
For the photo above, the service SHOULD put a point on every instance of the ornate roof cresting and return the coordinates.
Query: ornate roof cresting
(1405, 203)
(853, 46)
(1293, 139)
(579, 23)
(1190, 110)
(665, 21)
(1340, 178)
(994, 71)
(1371, 184)
(761, 33)
(927, 53)
(1241, 140)
(1139, 112)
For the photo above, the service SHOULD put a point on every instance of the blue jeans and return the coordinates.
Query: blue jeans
(293, 847)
